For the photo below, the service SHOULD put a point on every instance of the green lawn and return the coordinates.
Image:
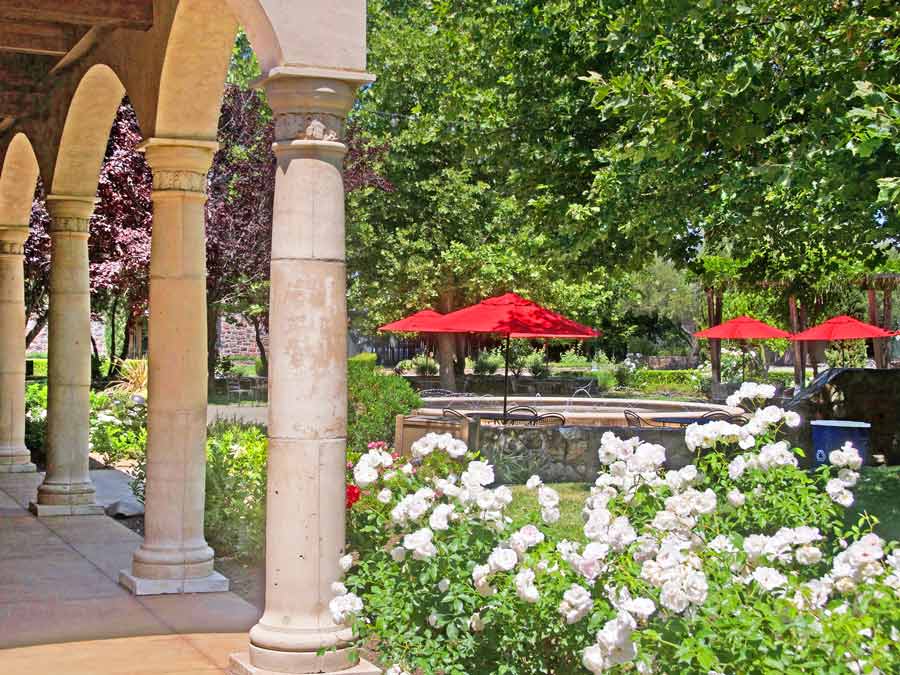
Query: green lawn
(877, 493)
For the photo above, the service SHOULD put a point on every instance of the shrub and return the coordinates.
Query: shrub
(425, 365)
(488, 362)
(847, 354)
(536, 362)
(261, 369)
(375, 400)
(35, 415)
(118, 426)
(606, 380)
(739, 563)
(404, 366)
(573, 357)
(666, 380)
(235, 515)
(369, 359)
(133, 377)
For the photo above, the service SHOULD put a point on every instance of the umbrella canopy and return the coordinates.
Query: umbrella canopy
(513, 316)
(842, 328)
(742, 328)
(420, 322)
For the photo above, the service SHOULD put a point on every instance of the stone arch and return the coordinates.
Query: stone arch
(18, 179)
(307, 34)
(86, 132)
(194, 70)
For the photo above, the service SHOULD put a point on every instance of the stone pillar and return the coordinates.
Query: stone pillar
(175, 557)
(14, 456)
(67, 487)
(307, 386)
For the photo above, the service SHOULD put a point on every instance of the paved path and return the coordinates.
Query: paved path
(60, 602)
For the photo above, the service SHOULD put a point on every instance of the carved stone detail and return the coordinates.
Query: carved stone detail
(11, 248)
(70, 224)
(308, 126)
(167, 180)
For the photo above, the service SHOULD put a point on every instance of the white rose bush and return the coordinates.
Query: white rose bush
(738, 563)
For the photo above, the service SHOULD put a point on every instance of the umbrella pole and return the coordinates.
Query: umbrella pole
(506, 379)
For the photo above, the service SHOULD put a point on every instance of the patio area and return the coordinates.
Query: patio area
(62, 609)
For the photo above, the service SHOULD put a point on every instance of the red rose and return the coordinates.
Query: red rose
(353, 494)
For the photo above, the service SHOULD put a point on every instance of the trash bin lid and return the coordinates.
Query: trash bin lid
(847, 424)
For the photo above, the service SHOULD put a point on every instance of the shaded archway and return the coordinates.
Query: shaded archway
(17, 184)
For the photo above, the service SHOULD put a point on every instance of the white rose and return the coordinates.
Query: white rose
(440, 517)
(443, 585)
(398, 553)
(346, 562)
(385, 496)
(476, 624)
(534, 482)
(769, 578)
(502, 559)
(593, 659)
(364, 474)
(736, 498)
(808, 555)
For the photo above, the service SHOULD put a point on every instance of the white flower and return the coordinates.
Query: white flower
(642, 608)
(346, 562)
(722, 544)
(769, 578)
(477, 474)
(534, 482)
(792, 419)
(548, 498)
(398, 553)
(344, 607)
(440, 517)
(457, 449)
(736, 498)
(755, 545)
(737, 467)
(407, 469)
(476, 625)
(364, 473)
(525, 588)
(848, 477)
(502, 559)
(695, 587)
(593, 659)
(576, 603)
(385, 496)
(443, 585)
(550, 516)
(673, 597)
(525, 538)
(419, 542)
(338, 588)
(808, 555)
(396, 670)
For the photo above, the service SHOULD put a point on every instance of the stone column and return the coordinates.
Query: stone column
(175, 557)
(67, 487)
(307, 386)
(14, 456)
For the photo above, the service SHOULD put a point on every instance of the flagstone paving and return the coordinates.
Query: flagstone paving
(63, 611)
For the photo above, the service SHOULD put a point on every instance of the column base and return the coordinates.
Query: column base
(26, 467)
(239, 664)
(51, 510)
(214, 583)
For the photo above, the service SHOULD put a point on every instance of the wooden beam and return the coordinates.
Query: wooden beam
(132, 14)
(28, 37)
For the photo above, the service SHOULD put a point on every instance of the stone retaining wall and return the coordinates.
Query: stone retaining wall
(564, 454)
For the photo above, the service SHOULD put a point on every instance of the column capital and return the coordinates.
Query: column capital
(12, 239)
(70, 213)
(310, 105)
(180, 165)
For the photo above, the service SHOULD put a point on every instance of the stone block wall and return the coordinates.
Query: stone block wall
(564, 454)
(39, 344)
(236, 338)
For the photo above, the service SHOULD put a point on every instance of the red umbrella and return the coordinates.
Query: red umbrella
(420, 322)
(843, 328)
(512, 316)
(742, 328)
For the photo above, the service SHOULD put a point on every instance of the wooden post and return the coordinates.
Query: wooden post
(887, 321)
(877, 345)
(804, 346)
(795, 328)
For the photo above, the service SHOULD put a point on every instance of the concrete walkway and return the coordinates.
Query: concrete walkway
(61, 605)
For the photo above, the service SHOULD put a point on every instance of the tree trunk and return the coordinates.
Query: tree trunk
(212, 346)
(878, 346)
(446, 356)
(804, 346)
(887, 322)
(714, 315)
(260, 345)
(799, 375)
(39, 323)
(110, 370)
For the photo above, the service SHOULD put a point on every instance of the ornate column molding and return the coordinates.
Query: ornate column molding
(310, 110)
(12, 239)
(180, 166)
(70, 214)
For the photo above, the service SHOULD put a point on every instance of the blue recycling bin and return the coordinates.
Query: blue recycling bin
(828, 435)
